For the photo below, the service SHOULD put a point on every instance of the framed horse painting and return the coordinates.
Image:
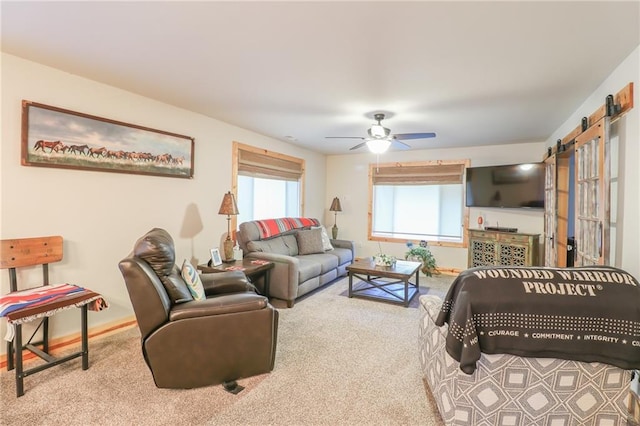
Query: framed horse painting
(56, 137)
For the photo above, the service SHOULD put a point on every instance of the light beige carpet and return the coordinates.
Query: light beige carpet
(339, 361)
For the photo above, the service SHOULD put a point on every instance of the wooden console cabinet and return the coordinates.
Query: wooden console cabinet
(488, 248)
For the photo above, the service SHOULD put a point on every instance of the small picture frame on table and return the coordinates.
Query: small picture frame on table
(216, 260)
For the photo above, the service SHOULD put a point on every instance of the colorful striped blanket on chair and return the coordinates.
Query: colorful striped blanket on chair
(34, 297)
(272, 227)
(23, 306)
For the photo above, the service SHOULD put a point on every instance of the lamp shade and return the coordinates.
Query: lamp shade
(229, 206)
(335, 205)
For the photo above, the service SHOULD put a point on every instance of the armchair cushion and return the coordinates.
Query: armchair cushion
(310, 241)
(191, 277)
(226, 282)
(224, 304)
(156, 249)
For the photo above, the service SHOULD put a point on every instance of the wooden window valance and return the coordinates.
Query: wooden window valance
(262, 163)
(423, 173)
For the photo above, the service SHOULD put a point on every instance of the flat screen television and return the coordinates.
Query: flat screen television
(511, 186)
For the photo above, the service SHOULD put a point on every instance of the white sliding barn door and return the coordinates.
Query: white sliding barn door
(592, 208)
(550, 231)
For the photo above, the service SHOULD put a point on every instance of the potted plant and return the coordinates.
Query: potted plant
(382, 259)
(422, 254)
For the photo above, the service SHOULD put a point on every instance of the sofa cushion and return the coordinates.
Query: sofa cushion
(156, 248)
(327, 262)
(292, 244)
(307, 268)
(274, 245)
(192, 278)
(309, 241)
(344, 255)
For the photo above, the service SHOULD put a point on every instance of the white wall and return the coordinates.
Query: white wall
(627, 132)
(348, 179)
(100, 215)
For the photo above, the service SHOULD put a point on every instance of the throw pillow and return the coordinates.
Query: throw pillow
(309, 241)
(194, 283)
(326, 242)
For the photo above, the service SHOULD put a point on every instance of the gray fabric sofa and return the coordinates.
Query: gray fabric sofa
(300, 264)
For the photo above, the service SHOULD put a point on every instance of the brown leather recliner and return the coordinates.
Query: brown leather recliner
(188, 343)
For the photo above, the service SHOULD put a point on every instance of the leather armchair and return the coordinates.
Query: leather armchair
(186, 343)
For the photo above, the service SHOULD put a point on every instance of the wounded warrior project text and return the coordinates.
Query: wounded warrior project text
(561, 336)
(583, 288)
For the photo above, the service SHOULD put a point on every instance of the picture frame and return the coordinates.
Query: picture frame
(57, 137)
(216, 260)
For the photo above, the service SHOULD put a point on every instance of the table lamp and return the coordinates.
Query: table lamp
(335, 207)
(228, 207)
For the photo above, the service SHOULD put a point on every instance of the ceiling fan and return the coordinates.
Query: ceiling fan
(380, 137)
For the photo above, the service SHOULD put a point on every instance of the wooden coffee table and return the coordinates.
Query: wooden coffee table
(391, 284)
(253, 271)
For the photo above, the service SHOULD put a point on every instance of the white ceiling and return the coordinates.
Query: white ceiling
(475, 73)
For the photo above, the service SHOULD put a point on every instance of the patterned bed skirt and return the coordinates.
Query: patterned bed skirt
(511, 390)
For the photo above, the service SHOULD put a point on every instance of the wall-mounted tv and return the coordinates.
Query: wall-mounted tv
(510, 186)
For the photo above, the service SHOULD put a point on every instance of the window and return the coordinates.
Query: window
(260, 198)
(418, 201)
(268, 184)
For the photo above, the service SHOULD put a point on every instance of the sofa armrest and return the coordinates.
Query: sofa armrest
(218, 305)
(225, 282)
(284, 275)
(347, 244)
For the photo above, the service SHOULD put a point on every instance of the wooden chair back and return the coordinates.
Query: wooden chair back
(22, 252)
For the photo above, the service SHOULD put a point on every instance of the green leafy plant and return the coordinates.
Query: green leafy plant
(426, 257)
(382, 259)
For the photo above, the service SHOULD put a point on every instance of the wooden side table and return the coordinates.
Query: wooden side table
(253, 271)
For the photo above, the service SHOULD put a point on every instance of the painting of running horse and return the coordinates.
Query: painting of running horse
(56, 137)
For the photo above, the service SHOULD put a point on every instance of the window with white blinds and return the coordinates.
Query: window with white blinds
(269, 184)
(418, 201)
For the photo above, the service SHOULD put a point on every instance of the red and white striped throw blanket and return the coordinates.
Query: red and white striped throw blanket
(23, 306)
(272, 227)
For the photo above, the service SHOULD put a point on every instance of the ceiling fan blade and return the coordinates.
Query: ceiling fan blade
(405, 136)
(399, 145)
(360, 145)
(344, 137)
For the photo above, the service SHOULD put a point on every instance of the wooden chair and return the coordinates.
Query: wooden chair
(29, 252)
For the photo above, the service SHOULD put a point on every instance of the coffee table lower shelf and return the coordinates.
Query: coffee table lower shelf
(379, 288)
(387, 283)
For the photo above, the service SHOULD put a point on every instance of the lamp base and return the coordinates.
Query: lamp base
(228, 251)
(334, 232)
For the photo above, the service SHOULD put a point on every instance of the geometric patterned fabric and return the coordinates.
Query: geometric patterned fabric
(517, 391)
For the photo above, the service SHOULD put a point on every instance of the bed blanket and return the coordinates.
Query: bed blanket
(589, 314)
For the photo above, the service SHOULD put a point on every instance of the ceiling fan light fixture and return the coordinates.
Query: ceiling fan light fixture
(378, 131)
(378, 146)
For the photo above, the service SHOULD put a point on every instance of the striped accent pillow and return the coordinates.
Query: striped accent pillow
(194, 283)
